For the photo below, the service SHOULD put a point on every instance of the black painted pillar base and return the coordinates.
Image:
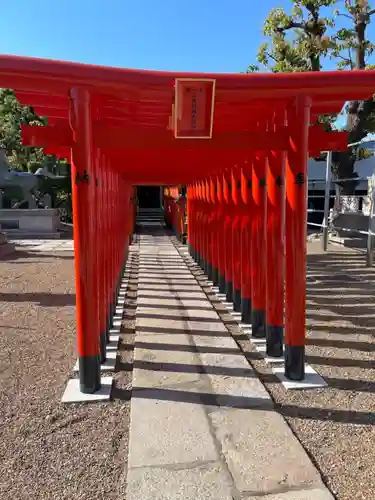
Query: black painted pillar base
(294, 362)
(197, 258)
(103, 347)
(215, 276)
(108, 323)
(89, 374)
(111, 310)
(221, 283)
(237, 300)
(210, 272)
(206, 265)
(258, 319)
(202, 263)
(275, 338)
(246, 311)
(229, 291)
(190, 249)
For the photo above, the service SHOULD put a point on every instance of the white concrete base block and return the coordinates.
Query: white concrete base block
(108, 365)
(261, 348)
(246, 329)
(258, 341)
(117, 322)
(112, 346)
(72, 393)
(312, 379)
(114, 338)
(115, 330)
(244, 326)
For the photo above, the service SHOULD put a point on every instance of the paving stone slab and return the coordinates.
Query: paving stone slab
(226, 377)
(175, 324)
(161, 266)
(173, 341)
(166, 275)
(170, 302)
(162, 271)
(159, 368)
(153, 259)
(166, 280)
(167, 286)
(239, 392)
(208, 481)
(196, 314)
(158, 252)
(313, 494)
(262, 453)
(167, 291)
(158, 266)
(168, 432)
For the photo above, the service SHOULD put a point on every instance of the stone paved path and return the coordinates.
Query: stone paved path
(202, 424)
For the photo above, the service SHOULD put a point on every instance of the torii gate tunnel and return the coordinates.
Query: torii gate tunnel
(240, 144)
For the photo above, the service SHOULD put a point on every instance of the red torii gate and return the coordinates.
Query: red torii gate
(123, 127)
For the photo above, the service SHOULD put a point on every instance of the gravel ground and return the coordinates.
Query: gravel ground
(336, 425)
(49, 450)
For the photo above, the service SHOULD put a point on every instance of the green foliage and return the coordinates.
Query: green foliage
(312, 31)
(12, 116)
(29, 159)
(298, 40)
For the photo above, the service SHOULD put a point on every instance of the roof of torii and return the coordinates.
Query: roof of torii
(135, 106)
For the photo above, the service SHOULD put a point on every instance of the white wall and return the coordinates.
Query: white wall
(316, 171)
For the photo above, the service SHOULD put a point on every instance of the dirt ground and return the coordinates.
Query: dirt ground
(336, 425)
(49, 450)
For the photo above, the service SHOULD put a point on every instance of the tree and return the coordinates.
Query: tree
(300, 41)
(352, 49)
(12, 115)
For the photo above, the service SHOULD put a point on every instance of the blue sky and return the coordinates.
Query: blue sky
(196, 35)
(200, 35)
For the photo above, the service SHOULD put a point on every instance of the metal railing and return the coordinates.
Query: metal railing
(331, 211)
